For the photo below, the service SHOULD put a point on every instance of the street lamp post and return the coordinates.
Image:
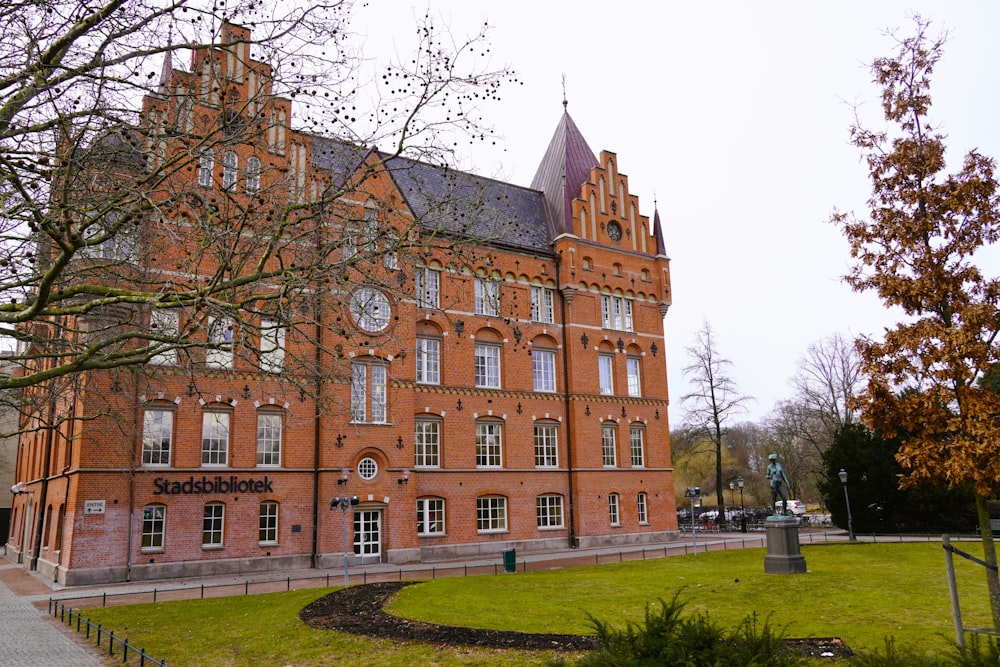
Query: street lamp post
(343, 503)
(743, 514)
(850, 520)
(693, 492)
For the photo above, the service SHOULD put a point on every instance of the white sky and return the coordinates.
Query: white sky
(734, 115)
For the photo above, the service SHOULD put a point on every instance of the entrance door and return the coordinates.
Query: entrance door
(368, 535)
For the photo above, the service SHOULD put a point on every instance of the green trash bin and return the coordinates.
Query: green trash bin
(510, 560)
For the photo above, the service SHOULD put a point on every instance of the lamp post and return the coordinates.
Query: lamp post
(732, 497)
(743, 514)
(343, 503)
(850, 521)
(693, 492)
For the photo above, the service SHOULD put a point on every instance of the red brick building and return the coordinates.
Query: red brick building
(504, 389)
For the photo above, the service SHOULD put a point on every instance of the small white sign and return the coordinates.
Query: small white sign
(93, 507)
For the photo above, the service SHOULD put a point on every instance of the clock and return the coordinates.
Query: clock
(370, 309)
(615, 231)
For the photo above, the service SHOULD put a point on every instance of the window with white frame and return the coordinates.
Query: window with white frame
(641, 508)
(489, 445)
(369, 229)
(390, 251)
(268, 533)
(268, 439)
(428, 287)
(369, 384)
(605, 371)
(549, 511)
(206, 163)
(164, 323)
(487, 297)
(491, 514)
(543, 304)
(634, 378)
(272, 346)
(430, 516)
(487, 365)
(229, 166)
(614, 514)
(609, 457)
(106, 237)
(215, 439)
(427, 443)
(616, 313)
(637, 446)
(546, 446)
(220, 340)
(350, 242)
(213, 525)
(157, 436)
(253, 175)
(428, 360)
(543, 370)
(154, 524)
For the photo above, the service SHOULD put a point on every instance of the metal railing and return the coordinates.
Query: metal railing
(84, 626)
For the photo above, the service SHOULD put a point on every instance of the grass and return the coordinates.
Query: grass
(861, 593)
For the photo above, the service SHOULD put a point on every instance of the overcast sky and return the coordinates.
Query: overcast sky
(732, 117)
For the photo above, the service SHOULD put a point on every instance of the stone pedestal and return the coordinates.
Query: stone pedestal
(783, 556)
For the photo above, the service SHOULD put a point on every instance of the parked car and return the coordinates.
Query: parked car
(795, 507)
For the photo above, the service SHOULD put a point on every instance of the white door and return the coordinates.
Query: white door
(368, 535)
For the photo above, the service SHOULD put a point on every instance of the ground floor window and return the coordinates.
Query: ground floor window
(268, 523)
(491, 514)
(549, 511)
(430, 516)
(212, 525)
(641, 508)
(613, 512)
(154, 521)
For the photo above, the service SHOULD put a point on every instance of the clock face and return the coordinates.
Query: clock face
(614, 231)
(370, 309)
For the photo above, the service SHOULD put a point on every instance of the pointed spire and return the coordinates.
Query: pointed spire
(168, 65)
(563, 171)
(661, 246)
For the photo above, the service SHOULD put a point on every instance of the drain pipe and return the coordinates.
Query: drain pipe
(566, 294)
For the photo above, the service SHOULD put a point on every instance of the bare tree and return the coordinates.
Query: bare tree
(136, 225)
(828, 381)
(715, 398)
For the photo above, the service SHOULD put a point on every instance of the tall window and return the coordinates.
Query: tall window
(637, 446)
(213, 525)
(634, 379)
(368, 381)
(427, 443)
(428, 287)
(268, 439)
(616, 313)
(613, 510)
(268, 533)
(542, 304)
(428, 360)
(164, 323)
(369, 229)
(487, 364)
(605, 368)
(229, 164)
(390, 251)
(220, 338)
(206, 163)
(215, 439)
(543, 370)
(489, 448)
(491, 514)
(154, 523)
(641, 508)
(549, 511)
(272, 346)
(487, 297)
(253, 175)
(608, 455)
(430, 516)
(157, 436)
(546, 446)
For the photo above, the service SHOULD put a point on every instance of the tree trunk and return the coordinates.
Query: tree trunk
(990, 556)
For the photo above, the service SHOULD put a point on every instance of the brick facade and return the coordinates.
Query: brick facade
(500, 435)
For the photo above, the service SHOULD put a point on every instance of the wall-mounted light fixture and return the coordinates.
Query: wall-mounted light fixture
(19, 489)
(405, 479)
(345, 475)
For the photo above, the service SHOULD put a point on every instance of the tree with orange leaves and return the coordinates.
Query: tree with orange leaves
(920, 249)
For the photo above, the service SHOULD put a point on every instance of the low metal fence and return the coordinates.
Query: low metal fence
(85, 627)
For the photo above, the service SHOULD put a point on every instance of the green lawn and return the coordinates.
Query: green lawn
(861, 593)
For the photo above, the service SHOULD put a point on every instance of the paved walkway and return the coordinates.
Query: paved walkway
(28, 636)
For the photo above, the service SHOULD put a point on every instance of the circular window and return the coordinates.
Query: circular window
(367, 468)
(614, 231)
(370, 309)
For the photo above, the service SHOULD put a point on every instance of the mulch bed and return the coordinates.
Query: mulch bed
(358, 610)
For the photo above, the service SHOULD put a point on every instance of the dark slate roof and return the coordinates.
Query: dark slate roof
(661, 246)
(338, 157)
(468, 206)
(563, 171)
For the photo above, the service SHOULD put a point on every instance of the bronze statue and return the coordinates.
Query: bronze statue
(779, 483)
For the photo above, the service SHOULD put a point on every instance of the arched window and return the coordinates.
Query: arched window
(253, 175)
(229, 164)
